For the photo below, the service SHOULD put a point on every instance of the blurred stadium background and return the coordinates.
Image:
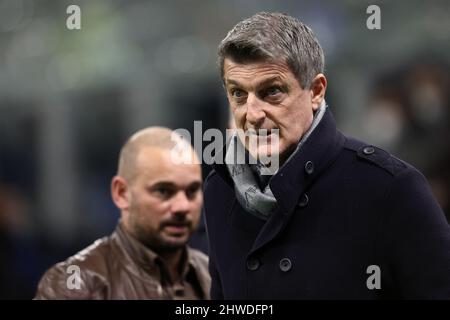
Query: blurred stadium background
(70, 98)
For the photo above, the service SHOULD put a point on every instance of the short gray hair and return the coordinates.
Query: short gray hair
(275, 37)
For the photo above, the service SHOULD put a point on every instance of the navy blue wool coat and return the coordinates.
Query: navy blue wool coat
(350, 217)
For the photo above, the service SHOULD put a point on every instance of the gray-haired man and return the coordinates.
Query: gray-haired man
(339, 218)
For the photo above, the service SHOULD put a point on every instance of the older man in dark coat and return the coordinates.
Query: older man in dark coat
(339, 219)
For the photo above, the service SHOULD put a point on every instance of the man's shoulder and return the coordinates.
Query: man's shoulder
(93, 257)
(218, 193)
(218, 180)
(89, 266)
(374, 158)
(213, 176)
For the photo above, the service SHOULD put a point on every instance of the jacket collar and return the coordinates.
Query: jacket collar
(317, 153)
(293, 179)
(145, 258)
(140, 260)
(320, 148)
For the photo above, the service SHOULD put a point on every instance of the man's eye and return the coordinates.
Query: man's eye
(272, 91)
(192, 192)
(237, 93)
(163, 192)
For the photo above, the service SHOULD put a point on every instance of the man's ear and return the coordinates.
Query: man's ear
(120, 193)
(318, 88)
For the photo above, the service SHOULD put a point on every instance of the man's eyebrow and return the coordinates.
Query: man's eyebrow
(164, 184)
(232, 82)
(268, 81)
(171, 185)
(197, 183)
(262, 83)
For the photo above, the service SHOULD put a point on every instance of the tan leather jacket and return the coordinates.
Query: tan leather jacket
(119, 267)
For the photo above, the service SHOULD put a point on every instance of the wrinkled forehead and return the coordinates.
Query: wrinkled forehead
(255, 72)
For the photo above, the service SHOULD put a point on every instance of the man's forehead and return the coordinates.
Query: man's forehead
(159, 162)
(163, 156)
(179, 176)
(262, 71)
(156, 154)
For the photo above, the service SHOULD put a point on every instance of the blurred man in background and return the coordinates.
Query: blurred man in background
(339, 219)
(146, 257)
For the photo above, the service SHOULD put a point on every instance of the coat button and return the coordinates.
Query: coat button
(285, 264)
(253, 264)
(309, 167)
(368, 150)
(303, 201)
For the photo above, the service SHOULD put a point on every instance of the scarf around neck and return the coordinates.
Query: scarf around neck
(252, 192)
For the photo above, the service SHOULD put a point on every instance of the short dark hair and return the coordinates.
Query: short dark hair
(275, 37)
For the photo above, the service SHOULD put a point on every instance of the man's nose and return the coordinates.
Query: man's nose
(180, 203)
(255, 113)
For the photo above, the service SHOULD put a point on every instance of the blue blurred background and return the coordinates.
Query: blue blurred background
(70, 98)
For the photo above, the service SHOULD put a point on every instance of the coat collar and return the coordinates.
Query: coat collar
(317, 153)
(293, 179)
(320, 148)
(145, 258)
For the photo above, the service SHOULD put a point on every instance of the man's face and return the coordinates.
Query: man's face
(267, 95)
(164, 200)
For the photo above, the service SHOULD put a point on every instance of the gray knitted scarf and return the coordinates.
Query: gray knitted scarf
(254, 197)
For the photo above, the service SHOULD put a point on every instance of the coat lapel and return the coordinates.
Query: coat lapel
(293, 179)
